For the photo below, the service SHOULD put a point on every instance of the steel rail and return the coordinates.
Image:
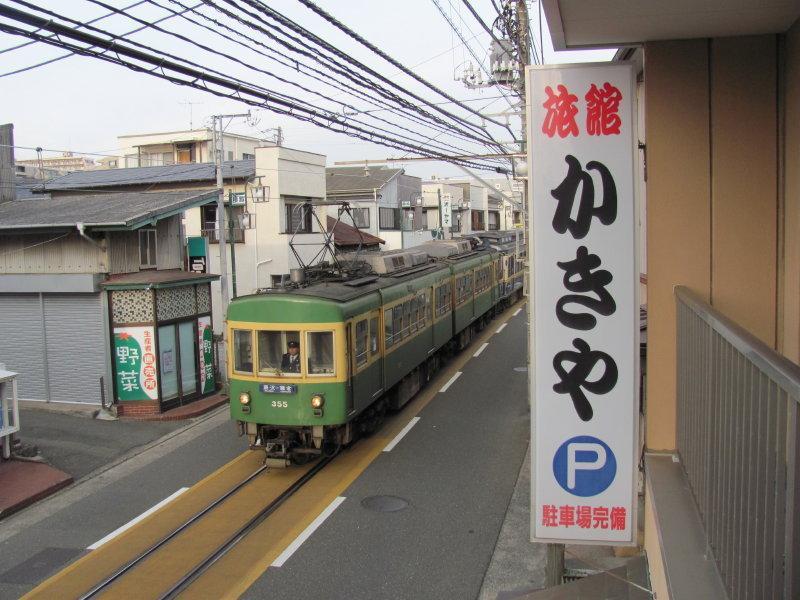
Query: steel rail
(243, 532)
(155, 547)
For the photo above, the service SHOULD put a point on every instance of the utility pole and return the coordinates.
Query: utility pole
(219, 159)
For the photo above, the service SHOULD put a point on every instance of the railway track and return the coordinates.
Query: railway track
(129, 568)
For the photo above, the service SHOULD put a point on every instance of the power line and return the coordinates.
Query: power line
(337, 62)
(482, 23)
(339, 25)
(280, 59)
(63, 56)
(202, 80)
(100, 18)
(241, 62)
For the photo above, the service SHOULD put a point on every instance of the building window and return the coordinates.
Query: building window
(210, 228)
(389, 218)
(186, 153)
(477, 220)
(494, 220)
(360, 217)
(298, 218)
(147, 248)
(167, 158)
(246, 156)
(131, 160)
(230, 154)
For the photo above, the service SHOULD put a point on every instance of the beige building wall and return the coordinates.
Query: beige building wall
(678, 211)
(744, 181)
(723, 189)
(789, 211)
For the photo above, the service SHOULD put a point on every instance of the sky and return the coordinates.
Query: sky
(82, 104)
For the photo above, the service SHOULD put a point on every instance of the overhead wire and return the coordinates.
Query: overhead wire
(323, 78)
(342, 27)
(301, 45)
(63, 56)
(202, 80)
(254, 68)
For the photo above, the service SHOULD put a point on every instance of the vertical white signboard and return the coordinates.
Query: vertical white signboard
(447, 210)
(585, 333)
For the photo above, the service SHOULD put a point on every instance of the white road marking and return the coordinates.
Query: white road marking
(516, 312)
(312, 527)
(390, 446)
(503, 326)
(481, 349)
(449, 383)
(133, 522)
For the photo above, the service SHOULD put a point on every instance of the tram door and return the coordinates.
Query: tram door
(366, 364)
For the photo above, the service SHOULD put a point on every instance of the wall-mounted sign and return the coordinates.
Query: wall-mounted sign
(197, 252)
(135, 367)
(205, 351)
(237, 198)
(584, 340)
(405, 203)
(447, 210)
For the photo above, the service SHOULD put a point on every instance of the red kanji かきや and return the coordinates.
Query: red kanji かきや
(602, 110)
(561, 111)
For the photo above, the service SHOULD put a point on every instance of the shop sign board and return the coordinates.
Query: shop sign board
(135, 365)
(584, 343)
(205, 349)
(447, 210)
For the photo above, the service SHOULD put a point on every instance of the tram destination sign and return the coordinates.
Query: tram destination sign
(278, 388)
(584, 339)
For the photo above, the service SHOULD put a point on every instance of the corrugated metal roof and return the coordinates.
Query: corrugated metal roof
(348, 180)
(124, 209)
(102, 178)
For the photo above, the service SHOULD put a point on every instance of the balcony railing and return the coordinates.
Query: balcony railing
(738, 443)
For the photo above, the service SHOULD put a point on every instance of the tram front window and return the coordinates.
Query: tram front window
(278, 351)
(320, 353)
(242, 351)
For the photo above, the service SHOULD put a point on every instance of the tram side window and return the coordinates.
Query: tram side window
(362, 334)
(243, 351)
(373, 335)
(414, 314)
(272, 345)
(397, 322)
(406, 318)
(388, 327)
(320, 352)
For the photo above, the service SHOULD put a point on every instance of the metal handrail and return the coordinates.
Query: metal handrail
(738, 437)
(777, 367)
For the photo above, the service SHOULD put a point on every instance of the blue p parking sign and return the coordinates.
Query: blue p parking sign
(584, 466)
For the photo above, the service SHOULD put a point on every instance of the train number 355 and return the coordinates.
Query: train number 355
(280, 404)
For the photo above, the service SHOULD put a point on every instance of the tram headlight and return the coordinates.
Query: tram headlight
(317, 401)
(244, 398)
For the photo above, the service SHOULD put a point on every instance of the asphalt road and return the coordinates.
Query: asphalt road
(78, 444)
(456, 468)
(45, 537)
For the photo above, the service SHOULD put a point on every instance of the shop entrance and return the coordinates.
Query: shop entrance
(177, 348)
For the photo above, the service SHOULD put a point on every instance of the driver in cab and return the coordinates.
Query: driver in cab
(290, 362)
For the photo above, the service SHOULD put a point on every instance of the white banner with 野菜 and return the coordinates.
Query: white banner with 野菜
(585, 332)
(135, 367)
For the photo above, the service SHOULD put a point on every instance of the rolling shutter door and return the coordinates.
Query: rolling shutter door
(21, 343)
(75, 346)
